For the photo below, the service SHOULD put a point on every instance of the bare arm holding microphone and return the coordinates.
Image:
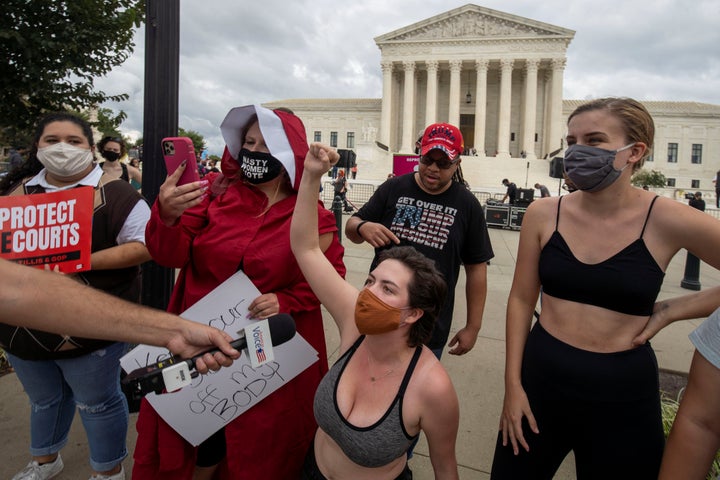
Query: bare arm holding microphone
(47, 301)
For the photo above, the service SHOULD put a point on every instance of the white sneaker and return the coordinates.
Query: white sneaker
(118, 476)
(35, 471)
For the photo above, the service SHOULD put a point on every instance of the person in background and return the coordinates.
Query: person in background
(544, 192)
(353, 171)
(29, 299)
(695, 434)
(510, 193)
(697, 201)
(61, 373)
(386, 386)
(113, 150)
(716, 181)
(135, 163)
(212, 167)
(432, 211)
(200, 164)
(15, 159)
(584, 377)
(210, 231)
(340, 189)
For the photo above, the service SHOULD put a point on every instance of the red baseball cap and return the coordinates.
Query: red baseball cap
(444, 136)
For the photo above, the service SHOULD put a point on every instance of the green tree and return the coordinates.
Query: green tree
(197, 139)
(52, 52)
(108, 124)
(651, 178)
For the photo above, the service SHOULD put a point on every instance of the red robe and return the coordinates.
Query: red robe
(210, 243)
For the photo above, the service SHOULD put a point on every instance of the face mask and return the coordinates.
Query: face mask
(259, 167)
(373, 316)
(64, 160)
(591, 168)
(110, 156)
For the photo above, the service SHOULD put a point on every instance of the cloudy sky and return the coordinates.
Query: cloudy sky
(235, 52)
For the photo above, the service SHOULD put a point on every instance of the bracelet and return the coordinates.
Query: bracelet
(357, 229)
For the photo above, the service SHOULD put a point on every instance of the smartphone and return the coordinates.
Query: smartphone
(175, 151)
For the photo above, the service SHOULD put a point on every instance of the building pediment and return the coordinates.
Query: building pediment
(472, 22)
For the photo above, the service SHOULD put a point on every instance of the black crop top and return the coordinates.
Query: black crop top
(628, 282)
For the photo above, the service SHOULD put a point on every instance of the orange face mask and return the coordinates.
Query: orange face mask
(373, 316)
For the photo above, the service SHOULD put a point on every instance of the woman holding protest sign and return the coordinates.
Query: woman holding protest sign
(210, 229)
(61, 372)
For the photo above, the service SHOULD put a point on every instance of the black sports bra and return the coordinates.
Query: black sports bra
(628, 282)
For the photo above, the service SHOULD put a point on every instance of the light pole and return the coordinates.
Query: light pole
(160, 119)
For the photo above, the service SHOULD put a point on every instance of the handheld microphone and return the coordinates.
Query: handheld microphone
(175, 370)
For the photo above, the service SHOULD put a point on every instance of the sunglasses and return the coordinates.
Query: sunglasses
(443, 164)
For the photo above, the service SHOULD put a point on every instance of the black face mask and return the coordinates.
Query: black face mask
(110, 156)
(259, 167)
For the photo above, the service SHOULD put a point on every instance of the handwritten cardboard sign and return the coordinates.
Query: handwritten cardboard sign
(213, 400)
(52, 229)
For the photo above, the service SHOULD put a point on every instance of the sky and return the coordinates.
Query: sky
(235, 52)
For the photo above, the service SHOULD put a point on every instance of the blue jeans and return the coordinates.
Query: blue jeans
(90, 382)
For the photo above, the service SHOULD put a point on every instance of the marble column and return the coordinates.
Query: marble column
(454, 105)
(408, 132)
(432, 86)
(529, 128)
(555, 123)
(386, 109)
(480, 105)
(506, 67)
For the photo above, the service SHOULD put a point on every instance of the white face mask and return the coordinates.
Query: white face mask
(64, 160)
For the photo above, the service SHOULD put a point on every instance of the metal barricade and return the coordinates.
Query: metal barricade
(357, 193)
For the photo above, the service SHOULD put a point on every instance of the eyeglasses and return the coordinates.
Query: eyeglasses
(443, 164)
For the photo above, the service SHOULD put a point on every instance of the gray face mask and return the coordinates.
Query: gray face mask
(591, 168)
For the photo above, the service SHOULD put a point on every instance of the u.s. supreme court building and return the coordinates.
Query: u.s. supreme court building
(499, 77)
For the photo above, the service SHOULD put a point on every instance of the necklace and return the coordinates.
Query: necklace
(373, 378)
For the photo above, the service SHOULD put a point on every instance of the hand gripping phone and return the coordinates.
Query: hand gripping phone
(175, 151)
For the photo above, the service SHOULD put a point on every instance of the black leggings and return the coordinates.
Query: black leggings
(212, 451)
(605, 407)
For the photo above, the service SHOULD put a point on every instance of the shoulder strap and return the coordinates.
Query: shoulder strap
(410, 369)
(557, 216)
(351, 351)
(124, 175)
(648, 215)
(18, 188)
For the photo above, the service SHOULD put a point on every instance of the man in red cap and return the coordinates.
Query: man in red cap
(433, 211)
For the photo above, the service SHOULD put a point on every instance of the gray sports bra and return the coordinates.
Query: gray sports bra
(372, 446)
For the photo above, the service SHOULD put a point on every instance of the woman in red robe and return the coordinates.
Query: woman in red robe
(210, 229)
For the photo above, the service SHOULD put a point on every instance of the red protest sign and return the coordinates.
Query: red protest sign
(403, 164)
(48, 229)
